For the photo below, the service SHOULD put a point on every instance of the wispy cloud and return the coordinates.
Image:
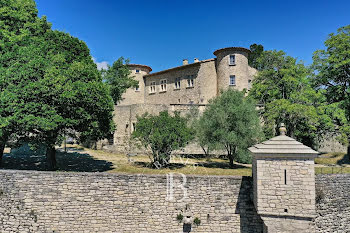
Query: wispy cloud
(100, 65)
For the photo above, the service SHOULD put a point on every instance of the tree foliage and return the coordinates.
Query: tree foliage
(256, 52)
(119, 79)
(200, 130)
(284, 89)
(19, 25)
(232, 122)
(49, 85)
(162, 134)
(332, 67)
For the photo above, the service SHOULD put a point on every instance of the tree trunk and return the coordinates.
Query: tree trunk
(230, 157)
(51, 158)
(2, 148)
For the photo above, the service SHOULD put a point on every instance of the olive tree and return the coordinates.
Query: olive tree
(232, 122)
(162, 134)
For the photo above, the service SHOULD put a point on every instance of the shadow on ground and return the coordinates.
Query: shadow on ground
(344, 160)
(220, 165)
(150, 165)
(70, 161)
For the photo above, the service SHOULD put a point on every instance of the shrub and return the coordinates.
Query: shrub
(179, 218)
(197, 221)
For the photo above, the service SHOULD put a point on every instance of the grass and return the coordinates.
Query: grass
(82, 159)
(332, 163)
(335, 158)
(194, 166)
(332, 170)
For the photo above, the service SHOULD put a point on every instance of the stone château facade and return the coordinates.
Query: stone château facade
(180, 88)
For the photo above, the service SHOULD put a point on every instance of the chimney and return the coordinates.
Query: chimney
(196, 60)
(184, 62)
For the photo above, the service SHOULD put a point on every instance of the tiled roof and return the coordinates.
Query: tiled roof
(231, 48)
(139, 65)
(180, 67)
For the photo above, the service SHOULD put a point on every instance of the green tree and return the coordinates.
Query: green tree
(256, 52)
(232, 122)
(332, 67)
(71, 95)
(199, 129)
(119, 78)
(49, 83)
(19, 25)
(284, 89)
(162, 134)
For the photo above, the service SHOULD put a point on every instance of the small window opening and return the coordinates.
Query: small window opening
(285, 176)
(190, 81)
(285, 210)
(232, 59)
(177, 83)
(163, 85)
(137, 71)
(152, 88)
(232, 80)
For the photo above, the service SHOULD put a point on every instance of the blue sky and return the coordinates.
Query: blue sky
(161, 33)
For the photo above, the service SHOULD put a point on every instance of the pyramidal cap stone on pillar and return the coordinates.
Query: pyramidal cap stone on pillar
(284, 184)
(282, 146)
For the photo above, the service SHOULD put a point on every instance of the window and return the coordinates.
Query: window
(177, 83)
(133, 126)
(163, 85)
(285, 176)
(137, 88)
(137, 71)
(232, 80)
(232, 59)
(152, 87)
(190, 81)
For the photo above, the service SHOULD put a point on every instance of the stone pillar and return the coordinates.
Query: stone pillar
(284, 184)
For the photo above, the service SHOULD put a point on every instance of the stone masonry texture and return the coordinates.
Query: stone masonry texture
(44, 202)
(47, 202)
(333, 203)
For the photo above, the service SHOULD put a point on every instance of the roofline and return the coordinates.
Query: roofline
(139, 65)
(180, 67)
(216, 52)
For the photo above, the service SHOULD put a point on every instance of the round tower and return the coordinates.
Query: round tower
(136, 95)
(232, 68)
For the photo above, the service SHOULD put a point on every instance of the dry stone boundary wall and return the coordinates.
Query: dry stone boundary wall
(38, 202)
(47, 202)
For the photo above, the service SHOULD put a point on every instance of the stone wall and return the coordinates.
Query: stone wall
(101, 202)
(285, 187)
(333, 203)
(134, 95)
(243, 73)
(203, 89)
(47, 202)
(125, 117)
